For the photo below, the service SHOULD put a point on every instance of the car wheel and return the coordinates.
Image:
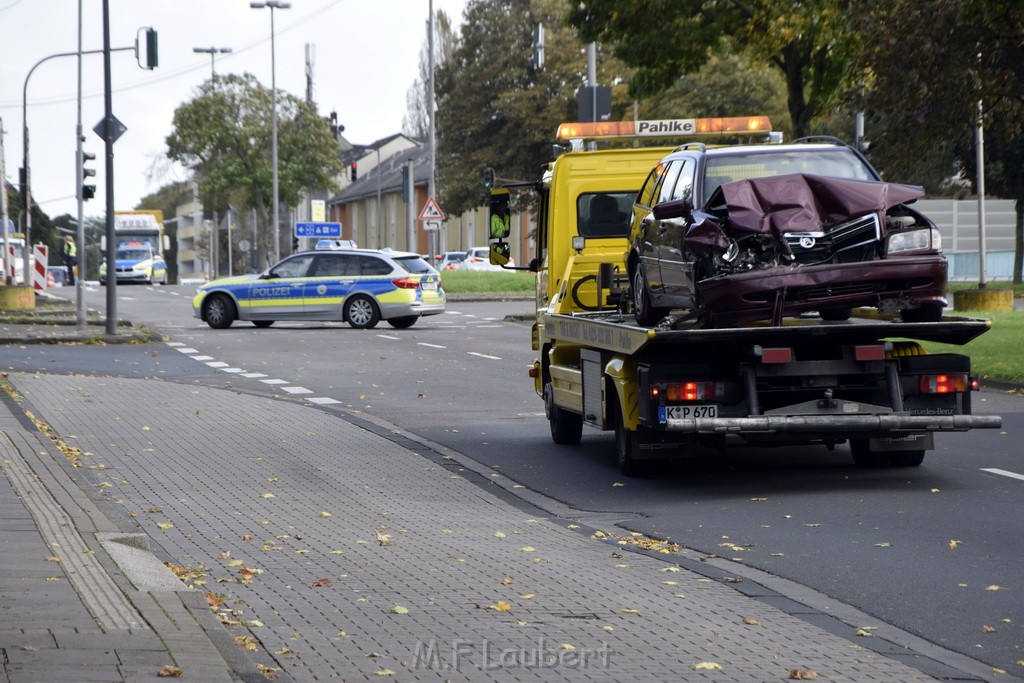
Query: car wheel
(262, 324)
(925, 313)
(219, 311)
(835, 314)
(404, 322)
(566, 426)
(626, 444)
(361, 312)
(645, 315)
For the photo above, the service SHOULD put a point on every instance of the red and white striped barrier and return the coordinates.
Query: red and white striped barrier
(11, 265)
(39, 270)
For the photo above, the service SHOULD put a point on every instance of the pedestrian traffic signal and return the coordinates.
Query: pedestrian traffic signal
(488, 177)
(353, 171)
(88, 191)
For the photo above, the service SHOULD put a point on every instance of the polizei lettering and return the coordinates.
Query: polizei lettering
(667, 127)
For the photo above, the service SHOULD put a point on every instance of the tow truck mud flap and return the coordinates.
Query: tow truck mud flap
(910, 442)
(593, 388)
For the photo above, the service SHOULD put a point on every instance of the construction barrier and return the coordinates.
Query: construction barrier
(40, 253)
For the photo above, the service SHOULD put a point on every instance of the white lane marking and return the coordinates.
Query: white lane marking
(189, 350)
(483, 355)
(322, 400)
(433, 346)
(297, 390)
(231, 370)
(480, 327)
(253, 375)
(387, 336)
(175, 344)
(275, 381)
(217, 364)
(1005, 473)
(202, 357)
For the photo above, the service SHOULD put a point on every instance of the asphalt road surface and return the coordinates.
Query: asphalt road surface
(934, 550)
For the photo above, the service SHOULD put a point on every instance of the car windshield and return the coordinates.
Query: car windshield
(839, 162)
(414, 264)
(133, 254)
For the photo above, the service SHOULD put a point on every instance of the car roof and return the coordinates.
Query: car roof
(386, 251)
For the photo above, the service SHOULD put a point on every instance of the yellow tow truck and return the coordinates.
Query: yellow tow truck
(672, 388)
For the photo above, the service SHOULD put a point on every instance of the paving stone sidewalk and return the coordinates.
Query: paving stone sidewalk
(337, 551)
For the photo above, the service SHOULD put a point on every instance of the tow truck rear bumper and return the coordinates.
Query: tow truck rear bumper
(837, 425)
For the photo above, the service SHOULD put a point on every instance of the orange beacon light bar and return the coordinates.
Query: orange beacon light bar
(735, 125)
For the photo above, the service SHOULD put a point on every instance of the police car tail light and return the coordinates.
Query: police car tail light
(406, 283)
(686, 391)
(956, 383)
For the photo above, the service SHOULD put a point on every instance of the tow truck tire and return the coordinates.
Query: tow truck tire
(219, 311)
(906, 458)
(566, 426)
(626, 447)
(645, 315)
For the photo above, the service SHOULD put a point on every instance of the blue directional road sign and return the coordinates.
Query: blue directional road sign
(318, 230)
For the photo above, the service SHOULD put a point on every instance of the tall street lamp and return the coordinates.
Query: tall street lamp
(211, 51)
(273, 4)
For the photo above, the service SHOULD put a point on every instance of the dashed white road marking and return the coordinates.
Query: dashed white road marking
(275, 381)
(388, 336)
(483, 355)
(297, 390)
(1004, 473)
(217, 364)
(433, 346)
(188, 350)
(175, 344)
(253, 375)
(231, 370)
(203, 358)
(323, 400)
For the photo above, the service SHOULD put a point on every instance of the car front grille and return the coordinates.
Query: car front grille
(844, 243)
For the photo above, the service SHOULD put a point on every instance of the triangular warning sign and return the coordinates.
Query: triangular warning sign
(431, 211)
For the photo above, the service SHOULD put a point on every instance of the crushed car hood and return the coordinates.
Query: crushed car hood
(800, 202)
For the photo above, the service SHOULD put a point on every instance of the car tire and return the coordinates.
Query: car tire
(925, 313)
(361, 312)
(626, 445)
(645, 314)
(219, 311)
(262, 324)
(837, 315)
(404, 322)
(566, 426)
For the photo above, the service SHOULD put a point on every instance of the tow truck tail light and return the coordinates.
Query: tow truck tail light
(406, 283)
(779, 355)
(869, 352)
(686, 391)
(943, 384)
(737, 125)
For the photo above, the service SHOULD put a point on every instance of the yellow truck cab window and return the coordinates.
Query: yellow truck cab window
(602, 214)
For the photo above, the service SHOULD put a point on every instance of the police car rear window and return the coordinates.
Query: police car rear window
(371, 265)
(414, 264)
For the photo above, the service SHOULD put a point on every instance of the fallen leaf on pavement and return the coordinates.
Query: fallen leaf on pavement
(246, 643)
(802, 674)
(988, 629)
(707, 666)
(164, 526)
(168, 671)
(629, 611)
(500, 606)
(750, 621)
(506, 581)
(383, 539)
(267, 495)
(993, 587)
(53, 558)
(953, 544)
(325, 514)
(321, 583)
(384, 672)
(528, 596)
(499, 534)
(398, 609)
(566, 646)
(528, 549)
(669, 569)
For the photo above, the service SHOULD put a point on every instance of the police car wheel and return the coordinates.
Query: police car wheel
(361, 312)
(219, 312)
(404, 322)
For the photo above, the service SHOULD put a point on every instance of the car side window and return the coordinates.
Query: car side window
(669, 182)
(371, 265)
(684, 184)
(293, 267)
(335, 265)
(646, 194)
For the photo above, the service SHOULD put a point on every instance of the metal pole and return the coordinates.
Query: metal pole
(980, 158)
(273, 138)
(79, 163)
(3, 208)
(231, 271)
(108, 125)
(376, 218)
(430, 110)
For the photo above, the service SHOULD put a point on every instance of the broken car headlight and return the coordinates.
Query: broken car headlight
(924, 240)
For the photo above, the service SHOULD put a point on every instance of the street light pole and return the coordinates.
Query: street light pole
(273, 4)
(211, 51)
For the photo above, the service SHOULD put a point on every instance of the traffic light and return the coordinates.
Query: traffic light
(295, 244)
(88, 191)
(352, 171)
(488, 177)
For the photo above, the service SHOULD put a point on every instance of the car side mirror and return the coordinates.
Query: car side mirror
(500, 214)
(677, 208)
(500, 253)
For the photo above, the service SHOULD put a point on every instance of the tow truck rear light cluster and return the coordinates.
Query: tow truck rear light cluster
(738, 125)
(687, 391)
(406, 283)
(945, 384)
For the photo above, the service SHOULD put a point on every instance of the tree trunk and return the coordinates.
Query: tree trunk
(792, 64)
(1018, 247)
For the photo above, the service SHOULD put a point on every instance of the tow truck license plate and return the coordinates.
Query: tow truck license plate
(688, 412)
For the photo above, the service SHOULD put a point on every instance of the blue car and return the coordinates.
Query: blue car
(357, 286)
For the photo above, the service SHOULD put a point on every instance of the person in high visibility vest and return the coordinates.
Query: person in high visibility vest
(70, 258)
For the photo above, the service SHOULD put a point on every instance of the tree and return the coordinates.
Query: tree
(809, 41)
(416, 122)
(224, 137)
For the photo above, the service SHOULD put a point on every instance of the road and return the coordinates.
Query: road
(933, 550)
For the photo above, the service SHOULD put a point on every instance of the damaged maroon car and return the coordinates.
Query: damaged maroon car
(827, 237)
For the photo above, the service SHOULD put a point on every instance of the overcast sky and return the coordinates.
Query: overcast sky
(366, 58)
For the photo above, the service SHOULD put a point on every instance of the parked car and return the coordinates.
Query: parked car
(357, 286)
(761, 232)
(479, 259)
(450, 260)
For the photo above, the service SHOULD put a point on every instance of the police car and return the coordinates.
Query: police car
(135, 263)
(357, 286)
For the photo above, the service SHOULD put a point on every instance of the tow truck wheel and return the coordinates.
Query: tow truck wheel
(566, 426)
(626, 447)
(906, 458)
